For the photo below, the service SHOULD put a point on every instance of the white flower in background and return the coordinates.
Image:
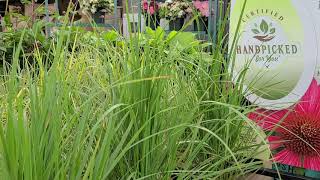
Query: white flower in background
(172, 9)
(180, 13)
(94, 5)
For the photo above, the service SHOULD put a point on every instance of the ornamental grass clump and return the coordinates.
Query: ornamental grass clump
(153, 106)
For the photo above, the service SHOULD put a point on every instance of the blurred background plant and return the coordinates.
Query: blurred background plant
(94, 6)
(34, 40)
(202, 7)
(150, 7)
(172, 10)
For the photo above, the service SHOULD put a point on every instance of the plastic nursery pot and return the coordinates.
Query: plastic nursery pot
(98, 17)
(152, 21)
(298, 171)
(43, 1)
(201, 25)
(176, 24)
(312, 174)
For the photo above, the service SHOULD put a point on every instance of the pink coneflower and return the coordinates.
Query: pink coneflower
(297, 131)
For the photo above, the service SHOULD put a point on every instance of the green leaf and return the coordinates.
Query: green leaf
(3, 49)
(149, 31)
(111, 36)
(160, 33)
(256, 31)
(272, 30)
(264, 26)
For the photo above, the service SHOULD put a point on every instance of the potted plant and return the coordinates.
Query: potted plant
(175, 11)
(202, 7)
(97, 8)
(150, 9)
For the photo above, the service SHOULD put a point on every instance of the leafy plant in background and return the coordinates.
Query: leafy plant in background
(34, 40)
(176, 44)
(89, 38)
(15, 20)
(183, 42)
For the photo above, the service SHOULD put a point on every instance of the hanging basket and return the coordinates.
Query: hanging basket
(99, 16)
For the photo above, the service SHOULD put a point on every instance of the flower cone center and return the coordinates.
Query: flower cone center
(302, 136)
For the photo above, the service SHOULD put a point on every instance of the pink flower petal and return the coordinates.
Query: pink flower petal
(202, 6)
(288, 157)
(312, 163)
(205, 5)
(145, 6)
(274, 142)
(197, 4)
(310, 102)
(151, 10)
(267, 119)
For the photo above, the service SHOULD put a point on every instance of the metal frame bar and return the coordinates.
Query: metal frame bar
(48, 30)
(115, 14)
(215, 19)
(139, 16)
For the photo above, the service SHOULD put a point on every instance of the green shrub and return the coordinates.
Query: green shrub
(154, 106)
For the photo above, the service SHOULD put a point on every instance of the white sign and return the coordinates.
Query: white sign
(279, 43)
